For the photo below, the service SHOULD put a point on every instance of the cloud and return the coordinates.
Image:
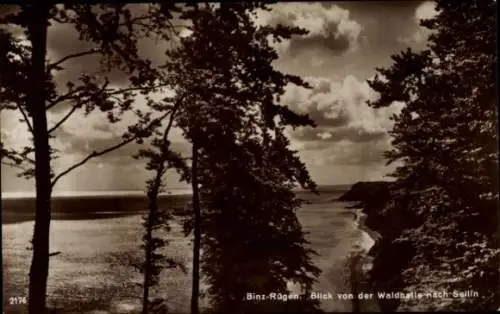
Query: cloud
(83, 144)
(368, 153)
(115, 170)
(382, 24)
(426, 10)
(330, 29)
(347, 162)
(350, 134)
(340, 111)
(14, 134)
(350, 139)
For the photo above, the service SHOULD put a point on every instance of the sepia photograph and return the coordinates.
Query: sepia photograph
(249, 157)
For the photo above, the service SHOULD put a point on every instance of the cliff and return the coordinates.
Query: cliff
(366, 191)
(372, 197)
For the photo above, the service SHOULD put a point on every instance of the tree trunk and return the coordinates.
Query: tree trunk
(149, 250)
(39, 270)
(197, 232)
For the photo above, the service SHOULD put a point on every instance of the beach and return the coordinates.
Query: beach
(363, 262)
(360, 220)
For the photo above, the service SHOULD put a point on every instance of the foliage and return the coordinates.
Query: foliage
(251, 238)
(27, 84)
(114, 31)
(446, 137)
(159, 159)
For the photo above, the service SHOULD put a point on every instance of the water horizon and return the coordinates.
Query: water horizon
(169, 191)
(32, 194)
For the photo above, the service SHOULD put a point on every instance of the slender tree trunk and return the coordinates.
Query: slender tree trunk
(197, 232)
(149, 249)
(36, 102)
(153, 192)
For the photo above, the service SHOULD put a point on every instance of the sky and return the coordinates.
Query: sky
(347, 41)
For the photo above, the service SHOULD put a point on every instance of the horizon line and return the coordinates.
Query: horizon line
(31, 194)
(169, 191)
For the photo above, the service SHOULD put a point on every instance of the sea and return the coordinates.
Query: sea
(97, 239)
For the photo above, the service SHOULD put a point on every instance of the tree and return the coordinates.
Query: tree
(160, 159)
(244, 205)
(27, 85)
(446, 137)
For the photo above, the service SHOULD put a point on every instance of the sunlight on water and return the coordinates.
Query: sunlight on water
(94, 269)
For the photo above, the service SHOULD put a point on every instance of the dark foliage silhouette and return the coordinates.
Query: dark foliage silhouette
(446, 190)
(160, 158)
(244, 207)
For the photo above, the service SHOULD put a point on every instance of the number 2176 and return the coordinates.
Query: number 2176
(17, 300)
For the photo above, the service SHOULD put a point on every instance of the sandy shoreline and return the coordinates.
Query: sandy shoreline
(361, 217)
(364, 263)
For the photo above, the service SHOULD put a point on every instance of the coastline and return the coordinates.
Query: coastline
(363, 262)
(360, 221)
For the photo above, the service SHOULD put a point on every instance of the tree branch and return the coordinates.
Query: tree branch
(13, 165)
(72, 56)
(100, 153)
(90, 156)
(110, 92)
(25, 117)
(58, 124)
(135, 19)
(172, 116)
(131, 89)
(64, 97)
(76, 106)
